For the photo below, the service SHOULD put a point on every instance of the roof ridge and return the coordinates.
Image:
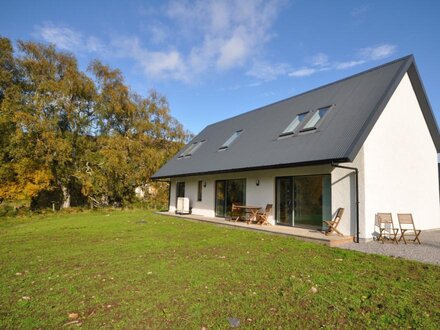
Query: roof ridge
(410, 56)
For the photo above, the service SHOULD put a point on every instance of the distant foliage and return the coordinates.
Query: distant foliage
(64, 130)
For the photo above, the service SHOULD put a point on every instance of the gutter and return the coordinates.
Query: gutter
(254, 168)
(356, 170)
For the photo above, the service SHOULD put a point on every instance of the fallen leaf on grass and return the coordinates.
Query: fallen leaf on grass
(73, 316)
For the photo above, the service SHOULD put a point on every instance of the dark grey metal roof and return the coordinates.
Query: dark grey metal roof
(358, 102)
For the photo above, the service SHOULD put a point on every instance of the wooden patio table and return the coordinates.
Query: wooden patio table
(252, 210)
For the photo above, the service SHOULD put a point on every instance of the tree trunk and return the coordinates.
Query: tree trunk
(66, 197)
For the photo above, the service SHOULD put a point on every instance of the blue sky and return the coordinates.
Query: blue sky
(216, 59)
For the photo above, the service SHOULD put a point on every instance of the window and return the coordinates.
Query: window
(316, 119)
(230, 140)
(294, 124)
(191, 149)
(199, 191)
(180, 190)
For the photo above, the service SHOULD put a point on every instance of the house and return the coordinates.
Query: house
(367, 143)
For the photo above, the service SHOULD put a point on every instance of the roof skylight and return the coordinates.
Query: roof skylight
(294, 124)
(316, 118)
(191, 149)
(230, 140)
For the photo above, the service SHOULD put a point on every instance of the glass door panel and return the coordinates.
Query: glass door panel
(220, 198)
(180, 190)
(236, 191)
(228, 192)
(311, 200)
(284, 200)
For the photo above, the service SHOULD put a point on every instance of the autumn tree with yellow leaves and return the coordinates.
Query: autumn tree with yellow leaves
(66, 131)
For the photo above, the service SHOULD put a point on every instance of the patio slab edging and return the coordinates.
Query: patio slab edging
(331, 241)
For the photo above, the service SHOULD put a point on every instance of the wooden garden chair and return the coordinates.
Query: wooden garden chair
(263, 217)
(407, 227)
(236, 212)
(386, 227)
(333, 224)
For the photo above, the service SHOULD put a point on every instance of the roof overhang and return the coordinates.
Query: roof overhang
(256, 168)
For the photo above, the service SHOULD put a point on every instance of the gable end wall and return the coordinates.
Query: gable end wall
(400, 164)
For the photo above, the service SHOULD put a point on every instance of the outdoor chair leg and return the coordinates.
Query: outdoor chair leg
(380, 238)
(403, 236)
(416, 238)
(395, 236)
(338, 232)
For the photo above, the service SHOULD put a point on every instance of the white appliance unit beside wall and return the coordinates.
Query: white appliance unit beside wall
(183, 206)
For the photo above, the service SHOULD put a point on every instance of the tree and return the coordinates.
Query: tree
(136, 136)
(57, 110)
(62, 130)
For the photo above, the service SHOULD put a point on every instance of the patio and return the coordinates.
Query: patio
(304, 234)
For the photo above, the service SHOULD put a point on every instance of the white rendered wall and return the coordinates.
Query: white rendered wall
(342, 195)
(401, 173)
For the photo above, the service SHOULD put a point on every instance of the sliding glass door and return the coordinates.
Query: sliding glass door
(284, 204)
(228, 192)
(303, 201)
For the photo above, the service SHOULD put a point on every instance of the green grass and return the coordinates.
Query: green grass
(136, 269)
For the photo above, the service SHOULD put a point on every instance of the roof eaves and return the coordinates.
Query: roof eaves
(256, 168)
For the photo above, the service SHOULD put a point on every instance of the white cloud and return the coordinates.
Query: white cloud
(233, 52)
(320, 62)
(68, 39)
(266, 71)
(158, 33)
(231, 33)
(94, 44)
(348, 64)
(303, 72)
(154, 64)
(207, 35)
(378, 52)
(319, 59)
(63, 37)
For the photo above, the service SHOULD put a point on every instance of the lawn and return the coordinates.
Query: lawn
(136, 269)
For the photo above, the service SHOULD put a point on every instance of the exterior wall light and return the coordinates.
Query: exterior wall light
(204, 184)
(257, 182)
